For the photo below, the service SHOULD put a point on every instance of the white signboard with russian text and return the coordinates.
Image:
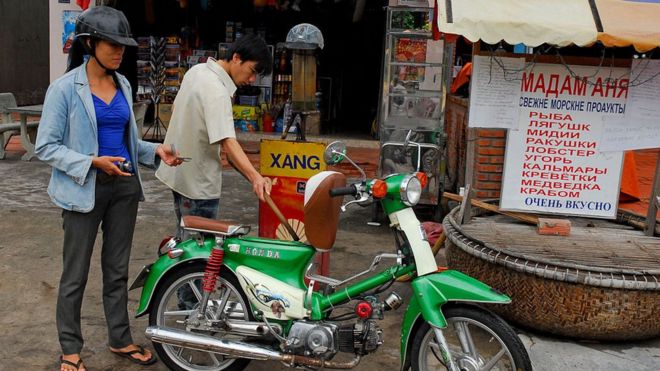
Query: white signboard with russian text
(494, 92)
(554, 162)
(640, 126)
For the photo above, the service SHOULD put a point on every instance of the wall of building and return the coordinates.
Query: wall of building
(488, 162)
(474, 155)
(24, 50)
(456, 109)
(58, 58)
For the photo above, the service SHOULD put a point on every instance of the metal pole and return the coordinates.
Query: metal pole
(654, 201)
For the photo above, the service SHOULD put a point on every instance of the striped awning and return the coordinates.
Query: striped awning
(556, 22)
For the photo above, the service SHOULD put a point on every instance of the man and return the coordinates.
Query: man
(202, 126)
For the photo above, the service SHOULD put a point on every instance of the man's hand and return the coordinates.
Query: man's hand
(261, 185)
(168, 156)
(108, 165)
(239, 161)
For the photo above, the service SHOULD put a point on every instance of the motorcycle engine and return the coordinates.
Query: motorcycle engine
(360, 338)
(325, 339)
(313, 339)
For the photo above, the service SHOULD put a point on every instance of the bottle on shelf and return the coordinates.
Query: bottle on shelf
(267, 122)
(283, 64)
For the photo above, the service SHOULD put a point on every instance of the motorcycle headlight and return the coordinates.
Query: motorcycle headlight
(411, 190)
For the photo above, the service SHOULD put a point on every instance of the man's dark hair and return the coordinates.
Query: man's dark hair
(252, 48)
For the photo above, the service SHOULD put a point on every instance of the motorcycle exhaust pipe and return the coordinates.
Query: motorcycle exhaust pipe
(251, 328)
(236, 349)
(207, 343)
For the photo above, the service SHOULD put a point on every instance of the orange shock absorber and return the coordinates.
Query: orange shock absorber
(212, 270)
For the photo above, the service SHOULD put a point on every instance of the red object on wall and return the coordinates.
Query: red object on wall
(84, 4)
(462, 78)
(434, 27)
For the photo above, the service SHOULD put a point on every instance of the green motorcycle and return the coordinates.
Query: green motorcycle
(221, 299)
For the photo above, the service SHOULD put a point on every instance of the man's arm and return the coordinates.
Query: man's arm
(240, 161)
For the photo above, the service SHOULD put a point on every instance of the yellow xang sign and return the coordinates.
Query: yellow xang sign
(292, 159)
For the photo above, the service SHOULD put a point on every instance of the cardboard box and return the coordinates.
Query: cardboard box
(245, 112)
(313, 123)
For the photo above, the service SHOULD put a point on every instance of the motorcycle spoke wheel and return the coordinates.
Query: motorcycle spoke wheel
(179, 301)
(477, 340)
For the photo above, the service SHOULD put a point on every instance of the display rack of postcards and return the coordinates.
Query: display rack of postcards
(164, 78)
(144, 87)
(172, 72)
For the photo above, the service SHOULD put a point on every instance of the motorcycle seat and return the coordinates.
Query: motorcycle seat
(212, 226)
(322, 211)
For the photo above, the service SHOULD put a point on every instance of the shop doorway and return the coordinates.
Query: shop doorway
(24, 50)
(349, 65)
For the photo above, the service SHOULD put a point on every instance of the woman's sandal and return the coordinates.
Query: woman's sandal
(139, 350)
(69, 363)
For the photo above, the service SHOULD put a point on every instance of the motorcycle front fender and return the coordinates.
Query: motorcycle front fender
(192, 252)
(432, 291)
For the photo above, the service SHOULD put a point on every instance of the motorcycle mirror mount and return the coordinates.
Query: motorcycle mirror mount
(335, 153)
(419, 148)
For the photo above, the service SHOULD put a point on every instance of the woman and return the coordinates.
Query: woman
(88, 135)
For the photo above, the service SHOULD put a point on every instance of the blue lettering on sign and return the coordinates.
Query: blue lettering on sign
(295, 162)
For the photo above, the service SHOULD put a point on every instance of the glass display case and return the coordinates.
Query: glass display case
(413, 88)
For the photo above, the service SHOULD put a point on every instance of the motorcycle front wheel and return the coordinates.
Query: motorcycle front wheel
(178, 299)
(477, 340)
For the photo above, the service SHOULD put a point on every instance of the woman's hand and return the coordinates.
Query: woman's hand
(108, 164)
(166, 154)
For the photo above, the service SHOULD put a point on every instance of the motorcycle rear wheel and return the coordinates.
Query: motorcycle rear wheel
(178, 298)
(477, 339)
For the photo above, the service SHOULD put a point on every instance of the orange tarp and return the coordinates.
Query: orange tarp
(629, 185)
(631, 22)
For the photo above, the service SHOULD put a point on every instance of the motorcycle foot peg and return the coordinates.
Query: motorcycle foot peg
(393, 301)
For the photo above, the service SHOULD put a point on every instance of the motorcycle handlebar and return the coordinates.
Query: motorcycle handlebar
(350, 190)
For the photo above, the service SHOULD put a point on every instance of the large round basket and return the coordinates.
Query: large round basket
(602, 282)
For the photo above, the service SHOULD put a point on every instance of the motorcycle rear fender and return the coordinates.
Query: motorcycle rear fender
(432, 291)
(192, 253)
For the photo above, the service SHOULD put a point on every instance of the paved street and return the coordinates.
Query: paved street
(31, 232)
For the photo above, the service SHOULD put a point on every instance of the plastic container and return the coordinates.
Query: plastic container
(279, 125)
(246, 125)
(248, 100)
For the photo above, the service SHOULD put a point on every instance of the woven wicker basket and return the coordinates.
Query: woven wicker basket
(547, 301)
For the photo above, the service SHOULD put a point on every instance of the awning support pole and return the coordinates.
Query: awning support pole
(654, 201)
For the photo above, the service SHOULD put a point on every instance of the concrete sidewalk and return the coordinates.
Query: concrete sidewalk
(31, 232)
(29, 274)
